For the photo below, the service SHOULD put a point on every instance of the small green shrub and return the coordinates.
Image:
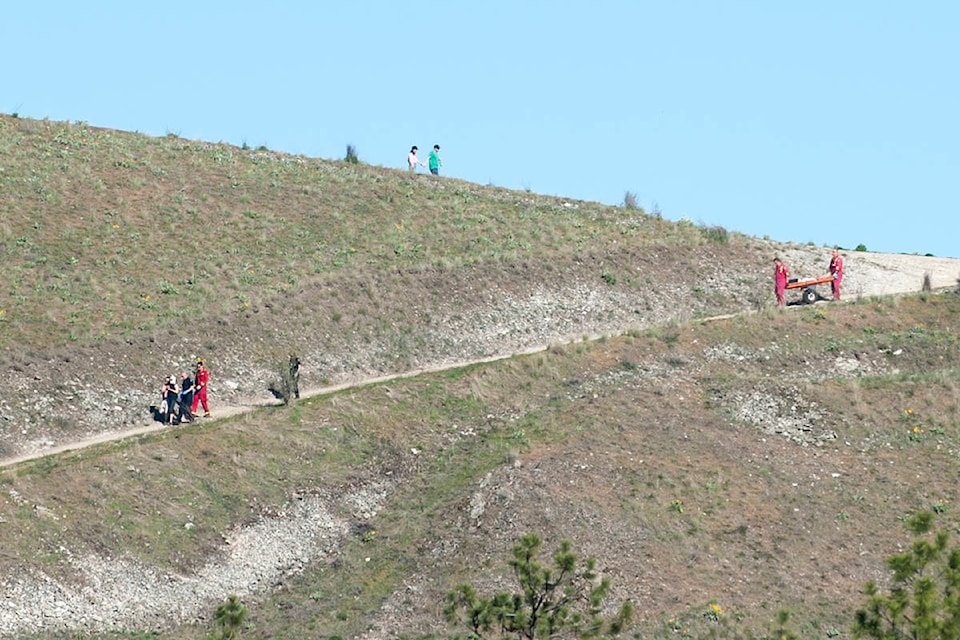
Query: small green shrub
(922, 600)
(351, 156)
(861, 247)
(716, 233)
(285, 385)
(670, 337)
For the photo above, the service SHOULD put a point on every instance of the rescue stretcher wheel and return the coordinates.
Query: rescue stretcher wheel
(809, 296)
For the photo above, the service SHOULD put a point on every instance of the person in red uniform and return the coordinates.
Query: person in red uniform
(780, 274)
(836, 270)
(200, 389)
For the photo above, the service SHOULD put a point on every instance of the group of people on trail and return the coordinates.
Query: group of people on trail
(182, 398)
(781, 276)
(433, 160)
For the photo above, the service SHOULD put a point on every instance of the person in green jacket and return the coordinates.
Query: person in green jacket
(433, 160)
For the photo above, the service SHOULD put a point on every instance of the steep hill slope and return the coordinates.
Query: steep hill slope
(761, 462)
(127, 257)
(788, 438)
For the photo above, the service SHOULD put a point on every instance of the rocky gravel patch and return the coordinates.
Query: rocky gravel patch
(783, 412)
(114, 594)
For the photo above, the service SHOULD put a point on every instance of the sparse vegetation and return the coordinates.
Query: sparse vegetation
(229, 616)
(299, 217)
(284, 384)
(563, 599)
(717, 470)
(716, 233)
(355, 439)
(922, 601)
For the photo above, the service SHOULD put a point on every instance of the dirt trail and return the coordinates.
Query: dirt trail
(867, 274)
(234, 410)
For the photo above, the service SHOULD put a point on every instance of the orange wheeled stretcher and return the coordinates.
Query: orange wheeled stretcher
(809, 294)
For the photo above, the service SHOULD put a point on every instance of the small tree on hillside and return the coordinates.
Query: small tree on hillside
(550, 601)
(924, 598)
(229, 616)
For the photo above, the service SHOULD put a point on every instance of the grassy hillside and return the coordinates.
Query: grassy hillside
(138, 254)
(109, 234)
(794, 442)
(757, 463)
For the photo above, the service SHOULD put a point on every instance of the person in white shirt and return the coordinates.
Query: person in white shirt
(413, 160)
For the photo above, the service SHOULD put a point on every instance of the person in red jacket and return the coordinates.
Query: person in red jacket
(836, 270)
(200, 389)
(780, 274)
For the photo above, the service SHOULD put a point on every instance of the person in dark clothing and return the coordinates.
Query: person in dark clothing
(161, 412)
(186, 397)
(169, 399)
(295, 367)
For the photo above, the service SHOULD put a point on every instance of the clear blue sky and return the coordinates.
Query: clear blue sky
(823, 121)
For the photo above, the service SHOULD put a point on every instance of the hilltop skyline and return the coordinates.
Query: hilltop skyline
(818, 123)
